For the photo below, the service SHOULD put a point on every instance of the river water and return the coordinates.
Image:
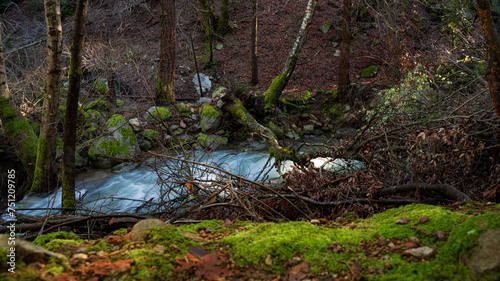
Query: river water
(123, 191)
(105, 191)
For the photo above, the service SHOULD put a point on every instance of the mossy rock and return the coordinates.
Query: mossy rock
(151, 135)
(157, 114)
(56, 240)
(210, 118)
(122, 146)
(100, 86)
(369, 72)
(211, 141)
(184, 109)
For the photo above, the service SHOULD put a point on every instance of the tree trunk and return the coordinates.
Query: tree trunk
(493, 47)
(75, 77)
(272, 94)
(345, 48)
(166, 72)
(208, 16)
(224, 17)
(45, 170)
(253, 49)
(18, 130)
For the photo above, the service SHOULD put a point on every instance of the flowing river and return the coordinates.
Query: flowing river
(123, 191)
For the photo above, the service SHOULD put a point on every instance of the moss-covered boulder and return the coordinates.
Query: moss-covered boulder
(184, 109)
(109, 151)
(369, 72)
(209, 118)
(211, 141)
(157, 114)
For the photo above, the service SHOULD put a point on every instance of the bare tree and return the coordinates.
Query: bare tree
(493, 47)
(279, 83)
(75, 77)
(253, 59)
(165, 88)
(45, 171)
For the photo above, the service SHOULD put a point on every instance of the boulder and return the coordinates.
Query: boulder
(157, 114)
(140, 228)
(209, 118)
(206, 84)
(184, 109)
(485, 258)
(109, 151)
(211, 141)
(369, 72)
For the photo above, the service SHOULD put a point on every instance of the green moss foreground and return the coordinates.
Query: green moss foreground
(329, 249)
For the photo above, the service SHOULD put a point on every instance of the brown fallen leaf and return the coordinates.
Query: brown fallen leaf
(410, 245)
(356, 271)
(423, 219)
(403, 220)
(298, 272)
(197, 251)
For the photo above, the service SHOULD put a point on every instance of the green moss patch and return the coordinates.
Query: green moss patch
(369, 72)
(57, 240)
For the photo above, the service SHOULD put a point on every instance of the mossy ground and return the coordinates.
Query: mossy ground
(332, 248)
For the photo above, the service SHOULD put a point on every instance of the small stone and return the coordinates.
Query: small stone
(268, 260)
(101, 253)
(159, 249)
(420, 252)
(414, 239)
(182, 124)
(315, 221)
(80, 256)
(82, 250)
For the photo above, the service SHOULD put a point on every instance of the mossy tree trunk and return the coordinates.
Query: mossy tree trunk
(45, 176)
(240, 115)
(493, 47)
(75, 77)
(165, 90)
(279, 83)
(224, 17)
(345, 48)
(253, 51)
(208, 16)
(18, 130)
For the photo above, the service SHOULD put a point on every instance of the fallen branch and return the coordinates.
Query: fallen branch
(445, 189)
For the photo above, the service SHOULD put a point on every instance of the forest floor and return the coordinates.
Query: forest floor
(419, 242)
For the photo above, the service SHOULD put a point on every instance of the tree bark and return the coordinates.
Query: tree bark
(253, 49)
(18, 130)
(165, 88)
(224, 17)
(45, 171)
(279, 83)
(345, 48)
(69, 136)
(493, 47)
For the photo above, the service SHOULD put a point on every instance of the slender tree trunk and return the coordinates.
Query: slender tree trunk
(166, 72)
(17, 129)
(279, 83)
(345, 48)
(45, 170)
(75, 77)
(493, 47)
(207, 13)
(253, 58)
(224, 17)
